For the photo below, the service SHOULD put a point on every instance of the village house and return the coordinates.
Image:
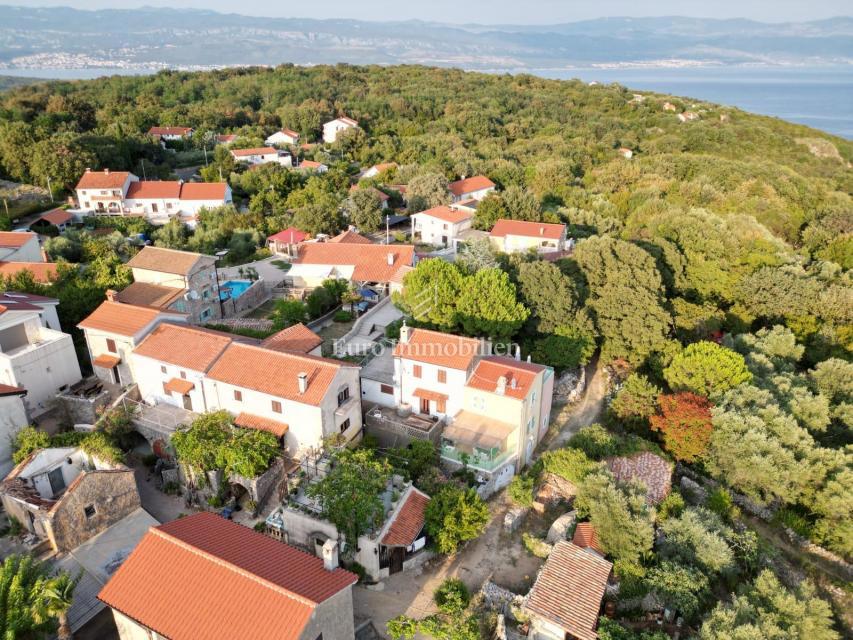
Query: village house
(688, 116)
(34, 356)
(13, 417)
(46, 307)
(217, 579)
(565, 601)
(296, 338)
(43, 272)
(668, 106)
(350, 236)
(180, 281)
(20, 246)
(284, 137)
(473, 188)
(441, 225)
(59, 218)
(162, 134)
(299, 398)
(225, 138)
(286, 243)
(66, 496)
(332, 128)
(262, 155)
(113, 330)
(383, 197)
(103, 192)
(371, 265)
(626, 153)
(519, 236)
(312, 165)
(376, 169)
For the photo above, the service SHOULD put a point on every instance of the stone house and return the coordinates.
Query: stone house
(66, 496)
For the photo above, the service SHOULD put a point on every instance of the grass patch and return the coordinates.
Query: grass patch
(281, 264)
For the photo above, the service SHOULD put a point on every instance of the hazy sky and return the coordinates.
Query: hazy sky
(490, 11)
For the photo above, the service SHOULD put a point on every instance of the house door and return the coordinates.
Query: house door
(444, 240)
(188, 402)
(424, 405)
(114, 375)
(396, 559)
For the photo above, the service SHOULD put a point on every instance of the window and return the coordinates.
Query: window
(57, 480)
(238, 395)
(276, 406)
(387, 389)
(416, 371)
(440, 405)
(162, 368)
(444, 227)
(344, 425)
(111, 345)
(205, 314)
(154, 207)
(89, 511)
(343, 395)
(442, 375)
(166, 389)
(183, 375)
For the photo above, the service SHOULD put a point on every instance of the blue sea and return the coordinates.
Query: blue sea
(820, 97)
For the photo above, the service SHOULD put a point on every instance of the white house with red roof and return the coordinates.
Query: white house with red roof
(206, 577)
(376, 169)
(283, 137)
(287, 241)
(361, 264)
(262, 155)
(473, 188)
(519, 236)
(441, 225)
(332, 128)
(20, 246)
(225, 138)
(59, 218)
(170, 133)
(312, 165)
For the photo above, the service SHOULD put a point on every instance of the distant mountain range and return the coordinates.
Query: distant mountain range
(61, 37)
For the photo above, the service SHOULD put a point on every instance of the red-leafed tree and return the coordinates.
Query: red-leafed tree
(685, 422)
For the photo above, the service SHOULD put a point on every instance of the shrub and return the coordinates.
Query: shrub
(670, 507)
(260, 527)
(720, 502)
(521, 490)
(343, 316)
(26, 441)
(570, 464)
(454, 516)
(452, 596)
(798, 523)
(596, 442)
(358, 570)
(536, 546)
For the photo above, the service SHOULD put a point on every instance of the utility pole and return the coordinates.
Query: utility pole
(50, 190)
(220, 175)
(387, 229)
(142, 164)
(204, 148)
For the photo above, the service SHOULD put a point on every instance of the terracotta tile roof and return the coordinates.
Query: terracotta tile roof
(121, 319)
(275, 372)
(106, 361)
(259, 423)
(488, 370)
(447, 214)
(426, 394)
(296, 339)
(225, 138)
(56, 216)
(183, 346)
(547, 230)
(347, 120)
(165, 260)
(291, 235)
(16, 301)
(179, 385)
(154, 189)
(442, 349)
(401, 273)
(203, 190)
(408, 521)
(310, 164)
(205, 577)
(384, 166)
(469, 185)
(585, 537)
(255, 151)
(569, 589)
(16, 239)
(103, 179)
(169, 131)
(350, 237)
(650, 469)
(43, 272)
(9, 390)
(147, 294)
(290, 132)
(370, 261)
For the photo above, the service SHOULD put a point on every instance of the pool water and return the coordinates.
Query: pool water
(233, 288)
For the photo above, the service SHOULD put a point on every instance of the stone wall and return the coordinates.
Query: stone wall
(332, 619)
(261, 487)
(251, 298)
(111, 492)
(83, 410)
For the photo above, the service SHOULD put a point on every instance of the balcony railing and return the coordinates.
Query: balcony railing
(475, 460)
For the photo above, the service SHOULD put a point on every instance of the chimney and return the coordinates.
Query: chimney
(390, 258)
(330, 555)
(512, 383)
(405, 333)
(302, 377)
(106, 171)
(112, 295)
(541, 231)
(88, 169)
(501, 387)
(518, 353)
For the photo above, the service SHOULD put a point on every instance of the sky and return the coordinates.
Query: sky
(490, 11)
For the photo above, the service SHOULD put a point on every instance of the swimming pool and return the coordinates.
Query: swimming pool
(233, 288)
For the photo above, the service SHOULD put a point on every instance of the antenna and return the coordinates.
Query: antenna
(387, 229)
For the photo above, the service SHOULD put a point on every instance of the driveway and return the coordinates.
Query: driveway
(573, 417)
(160, 505)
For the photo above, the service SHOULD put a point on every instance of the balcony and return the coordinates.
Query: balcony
(481, 441)
(482, 460)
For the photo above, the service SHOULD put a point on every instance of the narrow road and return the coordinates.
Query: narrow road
(573, 417)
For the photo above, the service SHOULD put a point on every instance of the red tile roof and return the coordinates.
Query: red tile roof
(9, 390)
(205, 577)
(179, 385)
(256, 151)
(296, 339)
(166, 260)
(569, 589)
(290, 132)
(426, 394)
(408, 521)
(384, 166)
(183, 346)
(275, 372)
(441, 349)
(547, 230)
(488, 370)
(56, 216)
(291, 235)
(585, 537)
(650, 469)
(17, 301)
(347, 120)
(43, 272)
(203, 191)
(154, 189)
(169, 131)
(370, 261)
(121, 319)
(350, 237)
(225, 138)
(106, 361)
(103, 179)
(310, 164)
(469, 185)
(259, 423)
(147, 294)
(16, 239)
(447, 214)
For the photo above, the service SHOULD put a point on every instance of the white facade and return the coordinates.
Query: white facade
(151, 376)
(38, 359)
(332, 128)
(105, 200)
(405, 371)
(28, 251)
(430, 229)
(13, 417)
(263, 157)
(282, 138)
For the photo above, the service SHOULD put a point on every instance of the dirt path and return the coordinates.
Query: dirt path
(573, 417)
